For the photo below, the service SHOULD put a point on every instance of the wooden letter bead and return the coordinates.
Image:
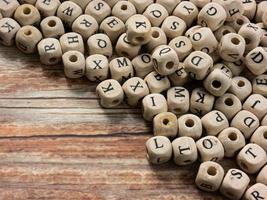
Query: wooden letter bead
(191, 30)
(157, 83)
(169, 5)
(50, 51)
(158, 37)
(210, 176)
(159, 150)
(201, 102)
(262, 176)
(249, 8)
(99, 9)
(156, 14)
(100, 44)
(256, 192)
(259, 137)
(178, 100)
(97, 68)
(256, 61)
(210, 149)
(47, 7)
(223, 30)
(165, 124)
(27, 14)
(135, 89)
(8, 29)
(184, 151)
(198, 64)
(74, 64)
(179, 77)
(138, 29)
(123, 10)
(141, 5)
(260, 85)
(214, 122)
(232, 140)
(27, 39)
(190, 125)
(239, 21)
(143, 65)
(173, 27)
(8, 7)
(68, 11)
(232, 47)
(257, 104)
(52, 27)
(85, 25)
(212, 15)
(234, 184)
(182, 46)
(72, 42)
(110, 93)
(251, 158)
(241, 87)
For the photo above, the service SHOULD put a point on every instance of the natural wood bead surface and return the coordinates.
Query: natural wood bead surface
(27, 39)
(262, 176)
(156, 14)
(27, 14)
(165, 124)
(241, 87)
(47, 7)
(125, 48)
(261, 8)
(68, 11)
(259, 85)
(158, 37)
(257, 104)
(259, 137)
(256, 61)
(191, 30)
(190, 125)
(249, 8)
(97, 68)
(98, 9)
(123, 10)
(238, 22)
(100, 44)
(72, 41)
(210, 176)
(159, 149)
(182, 46)
(152, 105)
(222, 67)
(169, 5)
(234, 184)
(173, 27)
(257, 191)
(201, 3)
(143, 65)
(52, 27)
(82, 3)
(179, 77)
(8, 7)
(8, 30)
(232, 140)
(141, 5)
(157, 83)
(223, 30)
(235, 67)
(184, 151)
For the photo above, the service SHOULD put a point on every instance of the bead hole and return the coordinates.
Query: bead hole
(165, 121)
(229, 102)
(189, 123)
(235, 41)
(212, 171)
(216, 84)
(26, 11)
(155, 34)
(169, 65)
(124, 7)
(240, 22)
(52, 60)
(232, 136)
(73, 58)
(52, 23)
(241, 83)
(27, 32)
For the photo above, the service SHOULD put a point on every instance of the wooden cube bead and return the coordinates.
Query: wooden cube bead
(190, 125)
(259, 85)
(110, 93)
(152, 105)
(210, 149)
(173, 27)
(72, 42)
(238, 22)
(256, 61)
(159, 149)
(249, 8)
(187, 11)
(68, 11)
(234, 184)
(223, 30)
(179, 77)
(27, 14)
(232, 140)
(98, 9)
(97, 68)
(8, 7)
(50, 51)
(8, 30)
(257, 104)
(259, 137)
(201, 102)
(74, 64)
(235, 67)
(135, 90)
(241, 87)
(222, 67)
(27, 39)
(47, 7)
(156, 14)
(251, 158)
(158, 37)
(182, 46)
(262, 176)
(143, 65)
(261, 8)
(184, 151)
(157, 83)
(169, 5)
(165, 124)
(141, 5)
(52, 27)
(256, 192)
(100, 44)
(123, 10)
(210, 176)
(82, 3)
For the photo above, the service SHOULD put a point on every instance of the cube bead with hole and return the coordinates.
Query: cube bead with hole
(159, 149)
(143, 65)
(135, 90)
(223, 30)
(259, 85)
(259, 137)
(262, 176)
(178, 100)
(100, 44)
(234, 184)
(123, 10)
(173, 27)
(169, 5)
(241, 87)
(97, 68)
(158, 37)
(138, 29)
(182, 46)
(165, 124)
(7, 8)
(27, 14)
(152, 105)
(68, 11)
(141, 5)
(74, 64)
(157, 83)
(27, 39)
(72, 41)
(210, 176)
(256, 61)
(210, 149)
(257, 104)
(8, 30)
(251, 158)
(52, 27)
(249, 8)
(238, 22)
(47, 7)
(156, 14)
(184, 151)
(257, 191)
(98, 9)
(190, 125)
(179, 77)
(232, 140)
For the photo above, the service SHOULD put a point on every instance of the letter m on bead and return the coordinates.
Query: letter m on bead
(68, 11)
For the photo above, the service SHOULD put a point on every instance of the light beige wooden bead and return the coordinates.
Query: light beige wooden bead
(201, 102)
(159, 150)
(210, 149)
(241, 87)
(50, 51)
(152, 105)
(100, 44)
(222, 67)
(110, 93)
(210, 176)
(234, 184)
(52, 27)
(169, 5)
(250, 7)
(68, 11)
(260, 85)
(179, 77)
(141, 5)
(256, 192)
(198, 64)
(74, 64)
(223, 30)
(212, 15)
(97, 68)
(165, 124)
(259, 137)
(27, 14)
(27, 39)
(71, 42)
(98, 9)
(156, 14)
(261, 8)
(8, 7)
(123, 10)
(82, 3)
(184, 151)
(47, 7)
(262, 176)
(178, 100)
(257, 104)
(238, 22)
(235, 67)
(191, 30)
(200, 3)
(256, 61)
(182, 46)
(232, 140)
(143, 65)
(121, 69)
(125, 48)
(190, 125)
(173, 27)
(8, 30)
(187, 11)
(158, 37)
(157, 83)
